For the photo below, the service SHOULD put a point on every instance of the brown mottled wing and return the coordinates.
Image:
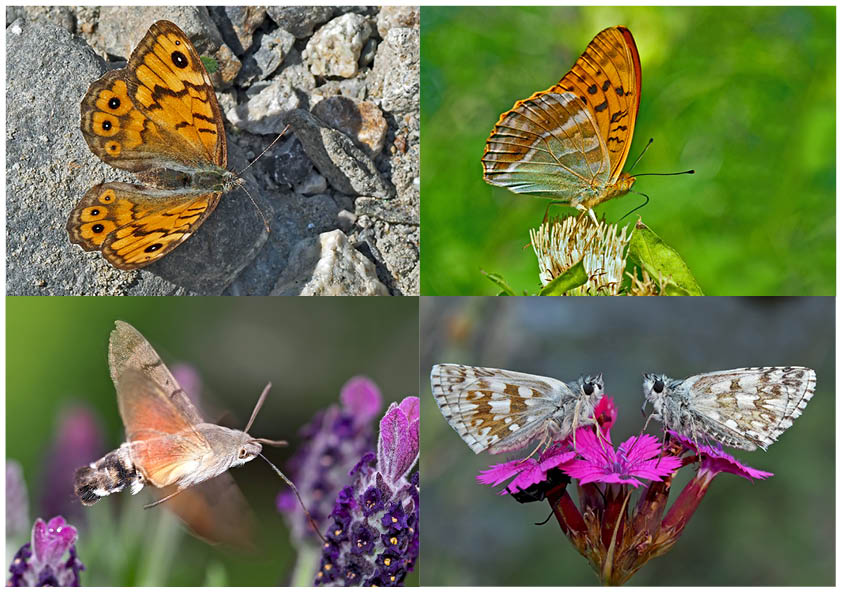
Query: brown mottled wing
(215, 511)
(129, 350)
(607, 77)
(158, 112)
(133, 225)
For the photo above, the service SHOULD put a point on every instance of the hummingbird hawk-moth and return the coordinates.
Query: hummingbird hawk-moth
(169, 446)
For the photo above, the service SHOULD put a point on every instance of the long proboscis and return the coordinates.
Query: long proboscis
(297, 495)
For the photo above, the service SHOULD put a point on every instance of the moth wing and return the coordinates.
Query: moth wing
(215, 511)
(129, 350)
(752, 404)
(165, 445)
(494, 409)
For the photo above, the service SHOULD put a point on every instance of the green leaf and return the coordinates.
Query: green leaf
(500, 282)
(568, 280)
(211, 65)
(661, 261)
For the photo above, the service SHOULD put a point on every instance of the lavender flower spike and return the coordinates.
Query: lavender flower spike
(373, 540)
(40, 563)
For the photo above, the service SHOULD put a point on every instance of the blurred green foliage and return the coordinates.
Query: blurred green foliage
(56, 356)
(745, 96)
(780, 531)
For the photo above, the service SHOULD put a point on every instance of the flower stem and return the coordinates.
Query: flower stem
(305, 565)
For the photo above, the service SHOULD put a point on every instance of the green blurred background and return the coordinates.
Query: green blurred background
(745, 96)
(780, 531)
(56, 352)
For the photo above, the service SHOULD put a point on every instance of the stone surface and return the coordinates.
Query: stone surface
(362, 121)
(334, 50)
(329, 265)
(265, 113)
(391, 17)
(347, 168)
(300, 20)
(395, 78)
(237, 25)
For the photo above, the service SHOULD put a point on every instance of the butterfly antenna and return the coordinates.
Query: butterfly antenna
(297, 495)
(272, 442)
(262, 216)
(258, 406)
(645, 202)
(651, 140)
(546, 520)
(277, 138)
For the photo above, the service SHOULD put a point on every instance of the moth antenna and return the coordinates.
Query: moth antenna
(272, 442)
(258, 406)
(277, 138)
(297, 495)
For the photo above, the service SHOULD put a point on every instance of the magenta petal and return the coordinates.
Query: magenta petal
(606, 412)
(51, 540)
(716, 460)
(361, 397)
(397, 447)
(497, 474)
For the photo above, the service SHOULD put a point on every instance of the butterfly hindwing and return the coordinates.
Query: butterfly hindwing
(134, 225)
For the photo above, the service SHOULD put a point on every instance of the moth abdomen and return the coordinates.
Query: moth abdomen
(112, 473)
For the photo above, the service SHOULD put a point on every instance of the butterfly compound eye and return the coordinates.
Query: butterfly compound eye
(243, 453)
(588, 388)
(658, 387)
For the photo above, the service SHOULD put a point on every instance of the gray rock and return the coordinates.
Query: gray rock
(312, 184)
(334, 50)
(362, 121)
(237, 25)
(329, 265)
(391, 17)
(395, 79)
(265, 113)
(300, 20)
(61, 16)
(347, 168)
(274, 48)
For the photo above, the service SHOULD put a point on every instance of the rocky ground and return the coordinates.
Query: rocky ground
(340, 191)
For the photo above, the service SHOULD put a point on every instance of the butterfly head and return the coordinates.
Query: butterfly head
(655, 390)
(591, 388)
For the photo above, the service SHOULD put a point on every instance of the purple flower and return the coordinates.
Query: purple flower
(41, 562)
(333, 442)
(373, 540)
(637, 458)
(397, 448)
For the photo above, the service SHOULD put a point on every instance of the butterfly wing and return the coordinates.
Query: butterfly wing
(132, 225)
(493, 409)
(165, 445)
(575, 135)
(750, 407)
(129, 350)
(215, 511)
(158, 112)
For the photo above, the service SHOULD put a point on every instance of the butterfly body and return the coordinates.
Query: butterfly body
(743, 408)
(571, 141)
(501, 410)
(159, 118)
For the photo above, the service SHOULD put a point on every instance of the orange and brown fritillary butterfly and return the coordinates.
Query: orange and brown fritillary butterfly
(570, 142)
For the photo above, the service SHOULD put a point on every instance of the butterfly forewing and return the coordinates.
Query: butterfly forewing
(571, 141)
(129, 350)
(494, 409)
(744, 408)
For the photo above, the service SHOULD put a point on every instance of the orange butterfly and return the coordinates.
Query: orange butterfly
(570, 142)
